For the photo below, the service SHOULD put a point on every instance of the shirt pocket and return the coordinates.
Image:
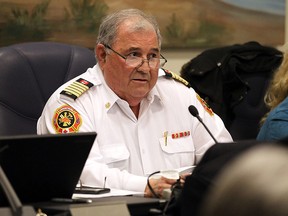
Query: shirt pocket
(114, 153)
(179, 145)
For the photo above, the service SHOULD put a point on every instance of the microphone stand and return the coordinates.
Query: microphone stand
(194, 112)
(200, 119)
(16, 208)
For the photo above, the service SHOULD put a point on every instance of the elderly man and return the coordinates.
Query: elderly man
(138, 110)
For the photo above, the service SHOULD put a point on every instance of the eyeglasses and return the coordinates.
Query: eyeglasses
(135, 61)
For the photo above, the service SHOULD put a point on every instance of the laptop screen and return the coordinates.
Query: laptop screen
(42, 167)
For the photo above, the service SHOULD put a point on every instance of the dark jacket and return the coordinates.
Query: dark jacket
(202, 179)
(218, 74)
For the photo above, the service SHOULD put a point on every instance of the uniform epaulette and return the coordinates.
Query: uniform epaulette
(176, 77)
(77, 88)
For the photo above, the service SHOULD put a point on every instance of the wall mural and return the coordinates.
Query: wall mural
(184, 24)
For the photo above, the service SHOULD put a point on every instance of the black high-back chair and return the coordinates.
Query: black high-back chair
(29, 74)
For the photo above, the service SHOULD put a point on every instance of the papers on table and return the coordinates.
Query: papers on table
(186, 170)
(174, 174)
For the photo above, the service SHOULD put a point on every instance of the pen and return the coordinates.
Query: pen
(67, 200)
(104, 181)
(165, 137)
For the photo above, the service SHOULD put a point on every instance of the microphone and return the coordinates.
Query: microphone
(193, 110)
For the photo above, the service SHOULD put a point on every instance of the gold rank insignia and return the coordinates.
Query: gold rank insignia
(170, 74)
(77, 88)
(205, 105)
(66, 120)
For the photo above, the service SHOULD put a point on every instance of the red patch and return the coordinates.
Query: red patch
(66, 120)
(205, 105)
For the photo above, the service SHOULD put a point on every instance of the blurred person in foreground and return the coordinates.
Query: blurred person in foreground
(255, 183)
(138, 110)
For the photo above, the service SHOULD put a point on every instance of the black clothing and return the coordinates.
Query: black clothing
(218, 74)
(213, 162)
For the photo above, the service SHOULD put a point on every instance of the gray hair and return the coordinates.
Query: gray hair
(109, 26)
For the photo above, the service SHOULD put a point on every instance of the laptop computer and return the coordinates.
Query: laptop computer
(43, 167)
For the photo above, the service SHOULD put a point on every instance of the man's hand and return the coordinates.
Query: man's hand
(158, 185)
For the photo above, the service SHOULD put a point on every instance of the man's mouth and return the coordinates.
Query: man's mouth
(140, 80)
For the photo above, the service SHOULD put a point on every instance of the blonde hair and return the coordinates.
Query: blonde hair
(278, 88)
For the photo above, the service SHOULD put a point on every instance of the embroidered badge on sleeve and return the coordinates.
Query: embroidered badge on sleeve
(66, 120)
(205, 105)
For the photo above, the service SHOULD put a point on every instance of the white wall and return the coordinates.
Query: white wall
(176, 58)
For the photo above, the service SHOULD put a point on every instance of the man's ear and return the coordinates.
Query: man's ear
(100, 53)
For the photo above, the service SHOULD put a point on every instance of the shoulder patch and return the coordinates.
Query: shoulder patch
(77, 88)
(175, 76)
(66, 120)
(205, 105)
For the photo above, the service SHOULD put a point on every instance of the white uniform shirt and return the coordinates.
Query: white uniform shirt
(128, 149)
